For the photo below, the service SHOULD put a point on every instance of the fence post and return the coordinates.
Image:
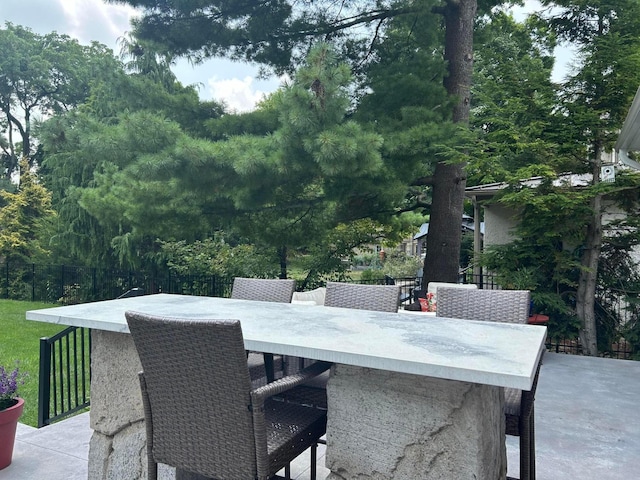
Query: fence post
(44, 390)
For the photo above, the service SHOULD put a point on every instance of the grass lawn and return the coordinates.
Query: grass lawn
(19, 341)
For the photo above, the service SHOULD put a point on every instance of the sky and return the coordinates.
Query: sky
(86, 20)
(233, 83)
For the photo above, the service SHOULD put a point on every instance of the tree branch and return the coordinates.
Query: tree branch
(17, 123)
(413, 207)
(310, 30)
(423, 181)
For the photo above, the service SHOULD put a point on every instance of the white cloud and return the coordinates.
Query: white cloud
(43, 16)
(96, 20)
(238, 95)
(84, 20)
(88, 20)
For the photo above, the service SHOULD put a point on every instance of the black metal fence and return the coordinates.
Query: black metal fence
(620, 350)
(65, 371)
(64, 284)
(68, 285)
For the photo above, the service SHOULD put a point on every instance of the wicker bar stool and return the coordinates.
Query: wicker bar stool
(380, 298)
(202, 415)
(264, 290)
(511, 306)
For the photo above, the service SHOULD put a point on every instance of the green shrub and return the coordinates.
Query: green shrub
(401, 265)
(216, 257)
(371, 275)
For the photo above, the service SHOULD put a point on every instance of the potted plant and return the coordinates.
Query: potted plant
(11, 406)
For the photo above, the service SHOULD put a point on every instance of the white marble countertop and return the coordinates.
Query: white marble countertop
(489, 353)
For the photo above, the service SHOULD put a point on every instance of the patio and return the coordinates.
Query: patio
(587, 426)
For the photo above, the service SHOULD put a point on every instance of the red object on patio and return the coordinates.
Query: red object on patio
(538, 319)
(8, 425)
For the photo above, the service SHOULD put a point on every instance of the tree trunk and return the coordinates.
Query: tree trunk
(10, 160)
(445, 223)
(282, 256)
(586, 293)
(26, 134)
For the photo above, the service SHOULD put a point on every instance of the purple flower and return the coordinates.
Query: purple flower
(9, 382)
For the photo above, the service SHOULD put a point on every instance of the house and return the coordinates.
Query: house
(419, 243)
(629, 138)
(500, 220)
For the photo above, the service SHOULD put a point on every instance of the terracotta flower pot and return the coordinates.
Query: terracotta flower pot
(8, 424)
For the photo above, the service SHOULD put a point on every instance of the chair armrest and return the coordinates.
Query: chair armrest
(258, 399)
(259, 395)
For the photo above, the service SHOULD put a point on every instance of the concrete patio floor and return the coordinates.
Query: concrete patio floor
(587, 427)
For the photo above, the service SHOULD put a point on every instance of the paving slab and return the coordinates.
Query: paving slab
(56, 452)
(587, 419)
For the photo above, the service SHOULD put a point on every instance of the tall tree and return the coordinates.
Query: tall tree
(41, 75)
(274, 33)
(22, 217)
(126, 115)
(138, 176)
(445, 232)
(285, 190)
(595, 102)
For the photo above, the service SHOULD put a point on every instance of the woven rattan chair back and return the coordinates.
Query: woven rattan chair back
(262, 289)
(510, 306)
(198, 394)
(380, 298)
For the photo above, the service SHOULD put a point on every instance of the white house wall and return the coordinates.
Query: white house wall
(499, 222)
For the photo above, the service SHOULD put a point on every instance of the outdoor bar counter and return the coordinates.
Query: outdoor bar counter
(410, 397)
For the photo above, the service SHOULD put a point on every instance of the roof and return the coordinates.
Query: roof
(629, 138)
(468, 225)
(424, 229)
(564, 180)
(628, 141)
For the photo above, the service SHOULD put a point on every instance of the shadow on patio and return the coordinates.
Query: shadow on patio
(587, 426)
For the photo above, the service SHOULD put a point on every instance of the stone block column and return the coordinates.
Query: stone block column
(117, 448)
(387, 425)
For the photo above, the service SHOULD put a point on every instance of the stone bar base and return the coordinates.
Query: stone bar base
(381, 425)
(118, 444)
(386, 425)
